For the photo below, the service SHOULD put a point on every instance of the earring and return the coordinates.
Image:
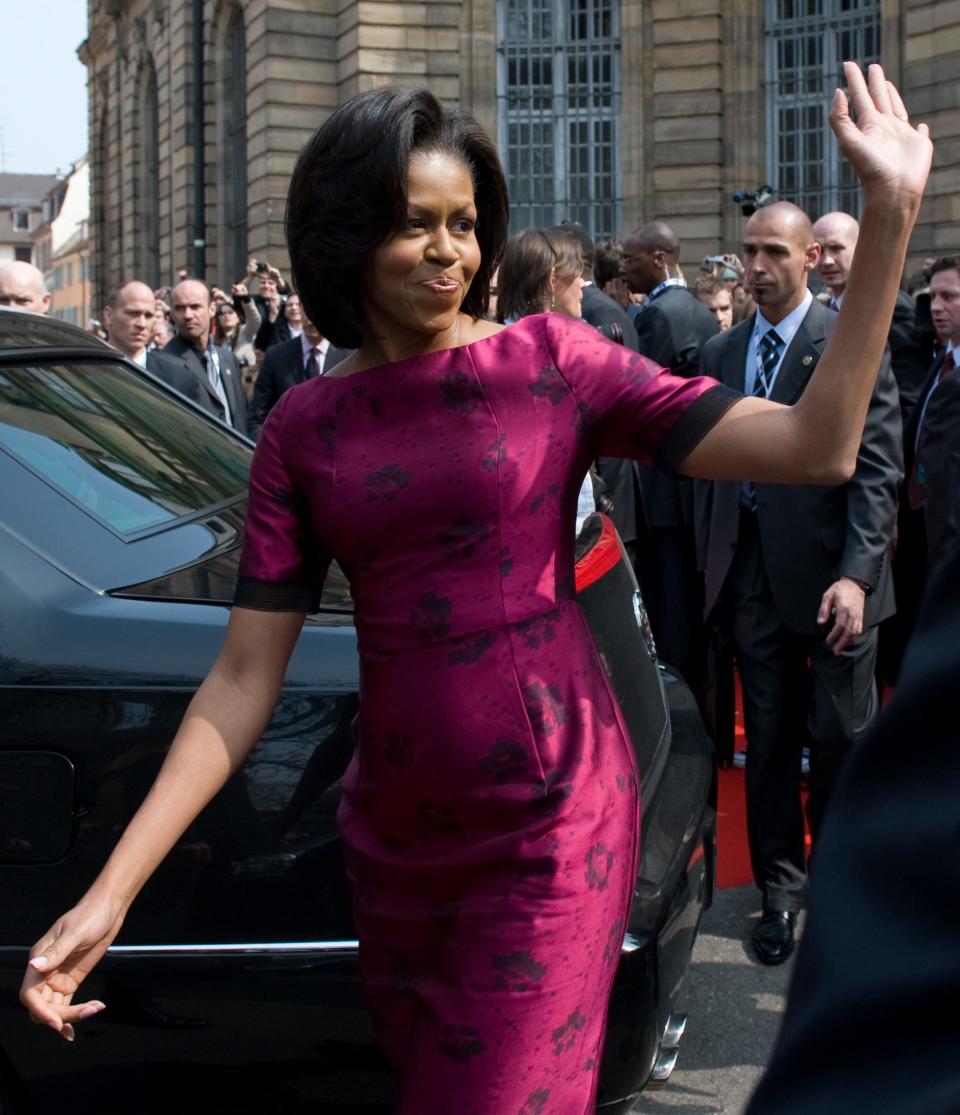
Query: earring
(553, 302)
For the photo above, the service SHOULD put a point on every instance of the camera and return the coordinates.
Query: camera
(261, 266)
(752, 200)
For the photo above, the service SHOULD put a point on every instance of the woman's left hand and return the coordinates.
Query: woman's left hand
(889, 155)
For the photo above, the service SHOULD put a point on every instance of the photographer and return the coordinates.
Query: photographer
(272, 291)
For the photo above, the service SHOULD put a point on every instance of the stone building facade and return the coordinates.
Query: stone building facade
(608, 111)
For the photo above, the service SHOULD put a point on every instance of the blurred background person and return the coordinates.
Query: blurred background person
(22, 288)
(597, 308)
(540, 273)
(715, 295)
(129, 314)
(235, 328)
(302, 357)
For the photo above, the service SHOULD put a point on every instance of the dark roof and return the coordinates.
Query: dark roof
(23, 330)
(25, 188)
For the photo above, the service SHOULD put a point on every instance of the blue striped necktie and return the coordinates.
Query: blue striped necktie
(770, 348)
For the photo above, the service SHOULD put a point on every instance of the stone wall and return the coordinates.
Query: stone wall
(692, 127)
(930, 75)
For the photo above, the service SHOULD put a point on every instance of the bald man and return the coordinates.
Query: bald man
(911, 342)
(672, 327)
(22, 288)
(128, 316)
(837, 235)
(207, 373)
(796, 577)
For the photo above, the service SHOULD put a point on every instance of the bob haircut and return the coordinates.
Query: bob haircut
(523, 282)
(348, 195)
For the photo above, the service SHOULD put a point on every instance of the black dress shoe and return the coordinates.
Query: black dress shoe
(773, 938)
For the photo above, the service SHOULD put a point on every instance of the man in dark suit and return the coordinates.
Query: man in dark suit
(193, 364)
(796, 575)
(672, 328)
(910, 351)
(290, 363)
(927, 522)
(879, 951)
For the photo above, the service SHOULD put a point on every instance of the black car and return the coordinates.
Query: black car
(234, 986)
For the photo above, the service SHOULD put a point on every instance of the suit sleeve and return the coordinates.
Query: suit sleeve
(283, 563)
(629, 406)
(872, 490)
(264, 398)
(654, 335)
(703, 489)
(942, 463)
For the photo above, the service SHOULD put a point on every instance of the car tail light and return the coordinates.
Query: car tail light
(602, 556)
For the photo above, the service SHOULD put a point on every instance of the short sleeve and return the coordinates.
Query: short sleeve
(283, 564)
(630, 406)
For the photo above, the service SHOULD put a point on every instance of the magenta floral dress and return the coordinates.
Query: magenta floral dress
(490, 813)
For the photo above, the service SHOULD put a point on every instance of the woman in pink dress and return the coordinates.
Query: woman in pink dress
(490, 813)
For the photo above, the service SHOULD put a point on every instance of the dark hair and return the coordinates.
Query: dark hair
(944, 263)
(571, 230)
(523, 281)
(348, 196)
(606, 261)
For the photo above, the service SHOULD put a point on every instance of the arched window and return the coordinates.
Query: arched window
(231, 66)
(807, 42)
(147, 208)
(558, 108)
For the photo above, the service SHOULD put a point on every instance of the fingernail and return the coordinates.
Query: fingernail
(89, 1011)
(55, 1026)
(39, 962)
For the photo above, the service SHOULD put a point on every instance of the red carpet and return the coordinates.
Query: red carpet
(733, 854)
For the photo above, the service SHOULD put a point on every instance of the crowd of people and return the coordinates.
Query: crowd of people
(790, 573)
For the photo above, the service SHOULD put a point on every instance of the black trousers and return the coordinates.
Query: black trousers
(795, 691)
(672, 588)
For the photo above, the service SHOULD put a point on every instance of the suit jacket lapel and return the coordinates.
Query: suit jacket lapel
(733, 362)
(801, 357)
(192, 360)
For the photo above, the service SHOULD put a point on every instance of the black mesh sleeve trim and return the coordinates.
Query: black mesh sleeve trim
(276, 596)
(695, 424)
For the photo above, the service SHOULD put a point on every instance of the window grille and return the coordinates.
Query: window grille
(558, 104)
(807, 42)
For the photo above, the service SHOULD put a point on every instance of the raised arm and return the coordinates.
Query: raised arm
(817, 439)
(224, 720)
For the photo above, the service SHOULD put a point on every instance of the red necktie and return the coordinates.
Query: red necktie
(916, 494)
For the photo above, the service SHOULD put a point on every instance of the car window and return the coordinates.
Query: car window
(122, 449)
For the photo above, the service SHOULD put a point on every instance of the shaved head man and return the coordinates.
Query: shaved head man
(129, 319)
(193, 364)
(837, 235)
(22, 288)
(650, 256)
(779, 252)
(798, 576)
